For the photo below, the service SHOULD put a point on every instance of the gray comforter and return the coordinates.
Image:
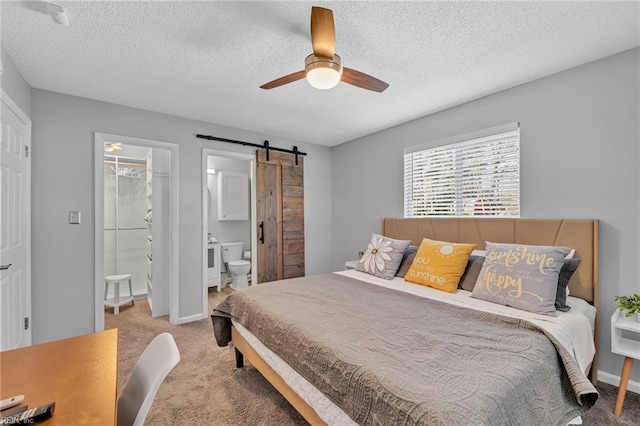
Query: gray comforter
(390, 358)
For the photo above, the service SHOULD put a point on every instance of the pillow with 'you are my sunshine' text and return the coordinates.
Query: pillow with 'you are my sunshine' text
(439, 264)
(521, 276)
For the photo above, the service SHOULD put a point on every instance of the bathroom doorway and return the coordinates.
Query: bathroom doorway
(228, 217)
(135, 230)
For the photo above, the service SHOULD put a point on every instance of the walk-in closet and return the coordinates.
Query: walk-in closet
(136, 226)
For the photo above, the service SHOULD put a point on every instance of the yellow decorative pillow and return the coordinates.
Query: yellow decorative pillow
(439, 264)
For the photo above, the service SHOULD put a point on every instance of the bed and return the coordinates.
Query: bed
(350, 348)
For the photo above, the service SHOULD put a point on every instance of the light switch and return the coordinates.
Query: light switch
(74, 218)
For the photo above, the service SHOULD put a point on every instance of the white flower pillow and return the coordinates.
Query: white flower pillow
(382, 256)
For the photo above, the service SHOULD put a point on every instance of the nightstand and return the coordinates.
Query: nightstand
(351, 264)
(628, 348)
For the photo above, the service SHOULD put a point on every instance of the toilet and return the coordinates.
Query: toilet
(232, 254)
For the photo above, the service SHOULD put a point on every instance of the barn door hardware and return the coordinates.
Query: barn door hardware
(265, 145)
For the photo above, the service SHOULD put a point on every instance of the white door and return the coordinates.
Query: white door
(15, 220)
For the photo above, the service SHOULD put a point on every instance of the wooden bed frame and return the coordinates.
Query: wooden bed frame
(580, 234)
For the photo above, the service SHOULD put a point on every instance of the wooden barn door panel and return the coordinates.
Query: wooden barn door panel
(280, 184)
(269, 222)
(293, 219)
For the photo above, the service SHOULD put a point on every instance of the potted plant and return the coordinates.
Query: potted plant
(630, 305)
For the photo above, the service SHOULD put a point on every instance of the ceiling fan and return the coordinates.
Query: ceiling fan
(323, 68)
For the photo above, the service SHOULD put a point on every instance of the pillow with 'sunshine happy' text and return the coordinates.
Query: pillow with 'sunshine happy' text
(521, 276)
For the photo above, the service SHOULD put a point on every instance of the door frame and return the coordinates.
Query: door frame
(206, 152)
(10, 103)
(98, 214)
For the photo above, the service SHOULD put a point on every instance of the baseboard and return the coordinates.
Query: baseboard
(614, 380)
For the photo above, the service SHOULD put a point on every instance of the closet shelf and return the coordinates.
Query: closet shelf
(158, 204)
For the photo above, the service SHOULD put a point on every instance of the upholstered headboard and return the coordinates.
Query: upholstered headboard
(580, 234)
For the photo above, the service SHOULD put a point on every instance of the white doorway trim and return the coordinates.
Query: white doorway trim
(15, 108)
(99, 140)
(206, 152)
(25, 217)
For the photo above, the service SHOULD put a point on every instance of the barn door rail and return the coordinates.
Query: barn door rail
(265, 145)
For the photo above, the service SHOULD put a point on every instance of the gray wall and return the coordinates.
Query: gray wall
(14, 84)
(579, 159)
(62, 168)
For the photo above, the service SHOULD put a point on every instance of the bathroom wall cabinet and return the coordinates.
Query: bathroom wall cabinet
(233, 196)
(158, 232)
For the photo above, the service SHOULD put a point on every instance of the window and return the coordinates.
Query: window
(470, 175)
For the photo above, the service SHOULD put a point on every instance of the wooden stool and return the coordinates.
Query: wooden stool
(116, 302)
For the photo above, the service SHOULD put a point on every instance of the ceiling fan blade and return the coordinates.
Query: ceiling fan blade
(284, 80)
(323, 32)
(362, 80)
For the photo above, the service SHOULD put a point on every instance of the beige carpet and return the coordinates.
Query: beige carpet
(205, 388)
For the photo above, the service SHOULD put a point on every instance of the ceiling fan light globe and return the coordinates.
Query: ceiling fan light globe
(323, 78)
(323, 73)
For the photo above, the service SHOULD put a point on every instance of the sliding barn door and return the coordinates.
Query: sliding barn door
(280, 202)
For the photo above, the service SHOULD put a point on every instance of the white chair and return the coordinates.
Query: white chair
(157, 360)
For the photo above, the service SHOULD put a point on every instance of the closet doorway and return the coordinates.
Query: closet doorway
(135, 230)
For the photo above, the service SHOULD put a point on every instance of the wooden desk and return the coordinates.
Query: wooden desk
(78, 374)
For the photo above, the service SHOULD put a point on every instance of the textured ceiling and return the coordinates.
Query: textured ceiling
(206, 60)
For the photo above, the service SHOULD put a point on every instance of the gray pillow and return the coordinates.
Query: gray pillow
(382, 256)
(568, 268)
(471, 273)
(521, 276)
(407, 260)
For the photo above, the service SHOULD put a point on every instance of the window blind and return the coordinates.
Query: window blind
(475, 177)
